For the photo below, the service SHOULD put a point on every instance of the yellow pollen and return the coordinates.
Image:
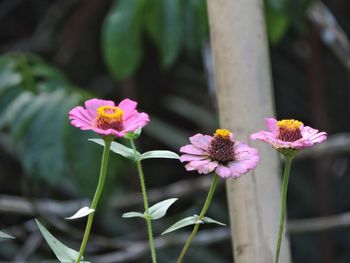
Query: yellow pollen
(222, 133)
(110, 113)
(289, 124)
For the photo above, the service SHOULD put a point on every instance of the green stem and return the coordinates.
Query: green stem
(283, 205)
(145, 203)
(201, 216)
(94, 203)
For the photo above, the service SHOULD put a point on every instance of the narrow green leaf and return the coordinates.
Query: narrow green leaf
(208, 220)
(133, 214)
(119, 149)
(4, 235)
(63, 253)
(84, 211)
(121, 38)
(159, 210)
(191, 220)
(159, 154)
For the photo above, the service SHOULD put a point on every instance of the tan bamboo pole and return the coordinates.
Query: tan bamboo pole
(243, 81)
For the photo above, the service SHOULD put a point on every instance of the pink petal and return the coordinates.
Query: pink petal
(190, 149)
(207, 168)
(319, 137)
(223, 171)
(201, 141)
(80, 117)
(271, 124)
(244, 152)
(128, 106)
(262, 135)
(93, 104)
(308, 132)
(137, 120)
(189, 157)
(238, 169)
(195, 164)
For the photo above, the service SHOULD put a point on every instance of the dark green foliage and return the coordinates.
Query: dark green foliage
(121, 38)
(34, 103)
(175, 26)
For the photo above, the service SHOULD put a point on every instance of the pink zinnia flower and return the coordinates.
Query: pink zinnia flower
(289, 134)
(104, 118)
(221, 153)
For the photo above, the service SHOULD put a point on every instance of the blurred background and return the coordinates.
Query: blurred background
(55, 54)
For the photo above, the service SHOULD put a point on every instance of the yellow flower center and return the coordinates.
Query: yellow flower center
(289, 130)
(109, 117)
(289, 124)
(222, 133)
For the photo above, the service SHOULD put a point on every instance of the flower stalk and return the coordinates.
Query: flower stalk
(201, 216)
(101, 182)
(145, 203)
(286, 173)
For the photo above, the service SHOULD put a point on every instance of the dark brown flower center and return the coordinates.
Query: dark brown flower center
(221, 148)
(289, 130)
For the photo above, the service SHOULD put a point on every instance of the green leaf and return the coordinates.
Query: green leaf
(197, 29)
(159, 209)
(133, 135)
(163, 21)
(187, 221)
(133, 214)
(277, 24)
(208, 220)
(159, 154)
(121, 38)
(4, 235)
(119, 149)
(44, 153)
(82, 212)
(16, 106)
(63, 253)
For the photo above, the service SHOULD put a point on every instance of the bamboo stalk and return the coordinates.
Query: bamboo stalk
(242, 72)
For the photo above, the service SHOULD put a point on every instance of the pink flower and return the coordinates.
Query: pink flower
(289, 134)
(221, 153)
(104, 118)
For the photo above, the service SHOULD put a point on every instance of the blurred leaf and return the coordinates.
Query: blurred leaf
(277, 24)
(84, 211)
(133, 214)
(163, 22)
(159, 154)
(187, 221)
(4, 235)
(159, 210)
(63, 253)
(22, 120)
(121, 38)
(276, 4)
(15, 106)
(44, 153)
(196, 25)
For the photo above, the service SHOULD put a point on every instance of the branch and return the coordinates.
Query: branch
(331, 33)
